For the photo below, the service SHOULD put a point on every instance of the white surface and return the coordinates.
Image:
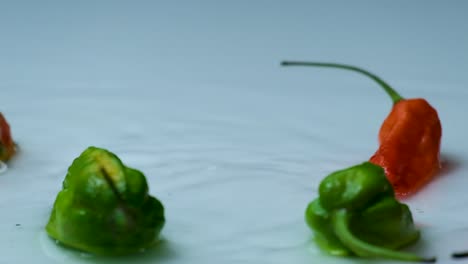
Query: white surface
(234, 145)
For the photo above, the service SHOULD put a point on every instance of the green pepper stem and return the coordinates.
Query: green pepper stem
(388, 89)
(340, 221)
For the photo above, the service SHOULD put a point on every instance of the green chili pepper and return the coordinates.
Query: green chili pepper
(356, 213)
(104, 207)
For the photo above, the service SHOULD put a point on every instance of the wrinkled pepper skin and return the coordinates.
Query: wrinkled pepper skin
(356, 213)
(409, 151)
(104, 207)
(410, 137)
(7, 145)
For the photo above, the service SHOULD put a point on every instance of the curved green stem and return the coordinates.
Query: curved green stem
(340, 221)
(388, 89)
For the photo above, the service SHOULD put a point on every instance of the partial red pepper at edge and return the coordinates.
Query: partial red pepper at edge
(409, 137)
(7, 145)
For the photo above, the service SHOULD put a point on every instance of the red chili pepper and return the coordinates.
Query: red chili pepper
(7, 146)
(409, 137)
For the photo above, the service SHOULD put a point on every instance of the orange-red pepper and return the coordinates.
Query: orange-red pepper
(7, 145)
(409, 138)
(409, 145)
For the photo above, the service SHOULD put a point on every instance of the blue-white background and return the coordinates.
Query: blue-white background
(192, 94)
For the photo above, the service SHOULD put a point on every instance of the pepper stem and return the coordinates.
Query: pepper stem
(387, 88)
(340, 223)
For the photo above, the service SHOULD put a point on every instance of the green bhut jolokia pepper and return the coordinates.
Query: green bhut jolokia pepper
(357, 214)
(104, 207)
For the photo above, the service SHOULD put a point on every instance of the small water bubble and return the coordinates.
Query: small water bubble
(142, 250)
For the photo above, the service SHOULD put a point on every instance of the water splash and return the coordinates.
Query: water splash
(3, 167)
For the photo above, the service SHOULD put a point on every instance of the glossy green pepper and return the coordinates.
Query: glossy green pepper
(356, 213)
(104, 207)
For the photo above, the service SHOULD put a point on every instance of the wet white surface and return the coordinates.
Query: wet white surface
(233, 145)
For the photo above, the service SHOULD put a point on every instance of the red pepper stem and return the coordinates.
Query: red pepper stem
(387, 88)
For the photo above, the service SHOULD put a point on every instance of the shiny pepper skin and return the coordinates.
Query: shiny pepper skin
(104, 207)
(7, 146)
(356, 213)
(409, 149)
